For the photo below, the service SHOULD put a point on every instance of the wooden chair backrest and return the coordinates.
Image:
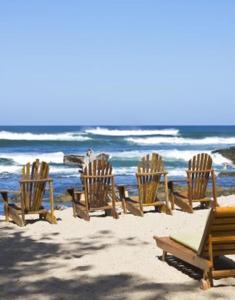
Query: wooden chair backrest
(199, 171)
(220, 228)
(98, 182)
(32, 192)
(149, 172)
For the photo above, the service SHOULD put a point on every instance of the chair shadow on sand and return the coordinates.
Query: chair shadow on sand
(30, 269)
(193, 272)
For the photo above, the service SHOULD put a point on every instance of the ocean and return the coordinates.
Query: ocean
(125, 145)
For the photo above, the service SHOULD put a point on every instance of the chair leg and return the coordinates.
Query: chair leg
(164, 255)
(183, 204)
(6, 212)
(124, 206)
(134, 209)
(172, 200)
(114, 213)
(82, 213)
(13, 214)
(206, 280)
(49, 217)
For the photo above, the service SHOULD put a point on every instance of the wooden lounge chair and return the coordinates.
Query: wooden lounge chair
(98, 189)
(32, 188)
(218, 239)
(198, 174)
(149, 173)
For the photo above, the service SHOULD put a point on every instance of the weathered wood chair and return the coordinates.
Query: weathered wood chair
(198, 174)
(98, 191)
(149, 173)
(32, 188)
(206, 250)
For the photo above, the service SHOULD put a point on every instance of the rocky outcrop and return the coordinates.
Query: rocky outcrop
(228, 153)
(78, 160)
(226, 173)
(72, 159)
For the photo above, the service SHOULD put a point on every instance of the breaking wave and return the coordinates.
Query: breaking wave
(182, 141)
(131, 132)
(24, 158)
(27, 136)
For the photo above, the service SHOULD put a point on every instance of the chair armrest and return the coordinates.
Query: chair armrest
(36, 180)
(123, 193)
(5, 193)
(76, 194)
(199, 171)
(152, 173)
(171, 183)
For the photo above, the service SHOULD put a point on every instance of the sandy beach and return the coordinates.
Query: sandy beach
(101, 259)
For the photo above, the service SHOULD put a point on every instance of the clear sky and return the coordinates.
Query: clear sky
(117, 62)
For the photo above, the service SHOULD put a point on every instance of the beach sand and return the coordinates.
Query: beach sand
(101, 259)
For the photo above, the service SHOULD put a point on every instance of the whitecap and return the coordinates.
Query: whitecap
(23, 158)
(182, 141)
(131, 132)
(28, 136)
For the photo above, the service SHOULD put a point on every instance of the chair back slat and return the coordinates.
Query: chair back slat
(199, 168)
(220, 228)
(148, 177)
(33, 191)
(98, 182)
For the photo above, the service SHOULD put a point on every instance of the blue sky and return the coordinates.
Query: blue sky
(117, 62)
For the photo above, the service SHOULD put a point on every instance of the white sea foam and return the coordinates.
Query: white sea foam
(182, 141)
(23, 158)
(124, 171)
(131, 132)
(10, 169)
(27, 136)
(62, 170)
(130, 171)
(169, 155)
(186, 155)
(177, 172)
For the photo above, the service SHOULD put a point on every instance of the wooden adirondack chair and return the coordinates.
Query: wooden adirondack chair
(98, 188)
(207, 251)
(149, 173)
(198, 174)
(32, 188)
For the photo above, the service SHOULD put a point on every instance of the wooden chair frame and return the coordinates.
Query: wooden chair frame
(136, 205)
(217, 240)
(82, 200)
(197, 182)
(29, 205)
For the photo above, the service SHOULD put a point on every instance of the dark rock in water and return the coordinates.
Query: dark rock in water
(78, 160)
(226, 173)
(72, 159)
(228, 153)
